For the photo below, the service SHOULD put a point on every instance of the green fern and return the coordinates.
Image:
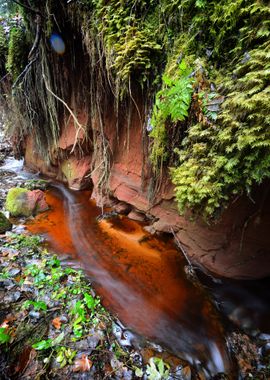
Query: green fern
(171, 105)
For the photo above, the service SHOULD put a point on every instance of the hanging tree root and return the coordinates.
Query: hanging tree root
(76, 121)
(33, 54)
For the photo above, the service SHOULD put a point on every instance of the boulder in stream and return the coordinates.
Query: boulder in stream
(22, 202)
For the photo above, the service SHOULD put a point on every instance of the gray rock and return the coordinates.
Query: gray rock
(265, 337)
(83, 345)
(8, 284)
(14, 272)
(94, 339)
(12, 297)
(34, 314)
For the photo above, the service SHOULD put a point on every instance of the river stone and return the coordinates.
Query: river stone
(5, 224)
(22, 202)
(136, 215)
(123, 208)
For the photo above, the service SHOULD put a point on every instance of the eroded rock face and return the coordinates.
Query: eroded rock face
(237, 246)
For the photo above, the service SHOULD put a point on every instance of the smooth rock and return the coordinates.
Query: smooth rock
(136, 215)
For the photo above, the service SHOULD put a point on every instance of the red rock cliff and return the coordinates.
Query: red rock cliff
(236, 246)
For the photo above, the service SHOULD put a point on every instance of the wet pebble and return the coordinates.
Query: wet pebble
(64, 318)
(19, 229)
(27, 288)
(34, 314)
(8, 284)
(265, 337)
(14, 272)
(94, 339)
(12, 297)
(83, 345)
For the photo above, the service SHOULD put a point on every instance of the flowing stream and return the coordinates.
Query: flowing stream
(140, 278)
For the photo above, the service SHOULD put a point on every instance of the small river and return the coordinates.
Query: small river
(141, 279)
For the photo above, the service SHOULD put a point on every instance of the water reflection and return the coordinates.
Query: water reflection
(139, 277)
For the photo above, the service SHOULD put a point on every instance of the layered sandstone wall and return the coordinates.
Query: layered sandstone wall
(236, 246)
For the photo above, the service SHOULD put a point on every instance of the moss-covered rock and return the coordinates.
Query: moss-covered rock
(5, 224)
(22, 202)
(76, 171)
(16, 202)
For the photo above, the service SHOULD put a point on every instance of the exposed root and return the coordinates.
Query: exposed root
(76, 121)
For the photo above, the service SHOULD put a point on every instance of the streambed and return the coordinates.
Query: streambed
(142, 280)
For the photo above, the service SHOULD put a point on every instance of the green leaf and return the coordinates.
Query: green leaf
(90, 301)
(4, 338)
(38, 305)
(43, 345)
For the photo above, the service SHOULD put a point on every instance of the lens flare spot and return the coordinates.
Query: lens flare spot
(57, 44)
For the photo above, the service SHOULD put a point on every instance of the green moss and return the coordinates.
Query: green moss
(16, 202)
(5, 224)
(3, 50)
(224, 150)
(215, 152)
(17, 51)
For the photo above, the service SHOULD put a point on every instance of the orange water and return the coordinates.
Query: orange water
(139, 277)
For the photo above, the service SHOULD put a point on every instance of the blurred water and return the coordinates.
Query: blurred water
(140, 278)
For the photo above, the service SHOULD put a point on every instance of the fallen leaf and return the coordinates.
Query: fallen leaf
(56, 323)
(102, 325)
(82, 365)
